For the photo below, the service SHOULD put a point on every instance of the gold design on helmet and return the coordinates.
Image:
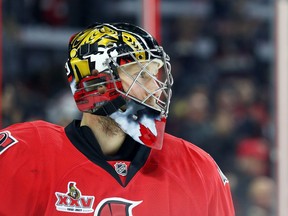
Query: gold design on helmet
(73, 53)
(103, 36)
(90, 36)
(82, 68)
(132, 42)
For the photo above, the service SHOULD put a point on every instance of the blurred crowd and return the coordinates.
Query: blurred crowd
(222, 61)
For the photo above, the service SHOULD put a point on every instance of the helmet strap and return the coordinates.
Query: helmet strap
(110, 107)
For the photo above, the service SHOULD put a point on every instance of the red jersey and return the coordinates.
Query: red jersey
(46, 169)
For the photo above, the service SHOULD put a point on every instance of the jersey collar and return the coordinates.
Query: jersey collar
(84, 140)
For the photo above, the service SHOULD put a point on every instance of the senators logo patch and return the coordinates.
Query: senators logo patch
(73, 200)
(6, 141)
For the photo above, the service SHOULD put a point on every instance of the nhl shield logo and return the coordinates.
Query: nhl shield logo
(121, 168)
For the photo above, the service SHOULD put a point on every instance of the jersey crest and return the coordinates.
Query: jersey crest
(115, 206)
(6, 141)
(73, 200)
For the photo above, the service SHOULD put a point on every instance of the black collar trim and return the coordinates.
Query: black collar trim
(84, 140)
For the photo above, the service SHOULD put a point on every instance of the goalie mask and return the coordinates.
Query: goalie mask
(119, 70)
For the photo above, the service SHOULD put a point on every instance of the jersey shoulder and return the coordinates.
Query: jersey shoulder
(177, 147)
(32, 125)
(187, 154)
(27, 134)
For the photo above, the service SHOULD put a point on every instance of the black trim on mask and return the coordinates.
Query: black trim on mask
(110, 107)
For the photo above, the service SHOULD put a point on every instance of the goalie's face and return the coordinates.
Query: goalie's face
(140, 81)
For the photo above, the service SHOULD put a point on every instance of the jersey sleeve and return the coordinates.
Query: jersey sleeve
(216, 186)
(220, 198)
(20, 170)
